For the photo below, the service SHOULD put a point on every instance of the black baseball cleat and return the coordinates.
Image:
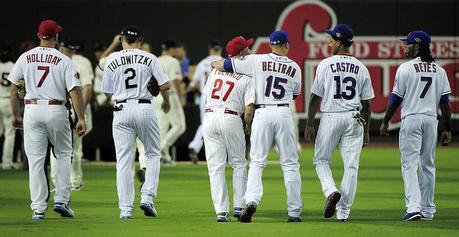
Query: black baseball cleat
(193, 156)
(330, 204)
(294, 219)
(250, 209)
(412, 216)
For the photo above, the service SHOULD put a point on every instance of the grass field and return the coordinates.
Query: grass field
(185, 208)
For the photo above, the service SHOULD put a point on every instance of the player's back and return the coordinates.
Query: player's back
(84, 69)
(228, 90)
(277, 78)
(342, 81)
(129, 72)
(420, 84)
(203, 70)
(5, 69)
(47, 73)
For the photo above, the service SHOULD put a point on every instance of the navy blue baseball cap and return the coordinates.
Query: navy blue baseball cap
(278, 37)
(342, 32)
(417, 36)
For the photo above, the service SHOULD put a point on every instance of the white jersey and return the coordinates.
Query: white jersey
(127, 73)
(48, 74)
(203, 70)
(83, 68)
(421, 85)
(343, 82)
(171, 67)
(229, 90)
(5, 69)
(277, 78)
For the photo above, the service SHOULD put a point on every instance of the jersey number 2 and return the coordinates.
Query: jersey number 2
(218, 84)
(132, 76)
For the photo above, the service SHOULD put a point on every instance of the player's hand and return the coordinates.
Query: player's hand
(310, 134)
(366, 139)
(166, 106)
(248, 129)
(445, 138)
(383, 129)
(80, 127)
(116, 40)
(17, 122)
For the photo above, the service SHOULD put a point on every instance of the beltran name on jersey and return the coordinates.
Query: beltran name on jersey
(278, 67)
(43, 58)
(129, 59)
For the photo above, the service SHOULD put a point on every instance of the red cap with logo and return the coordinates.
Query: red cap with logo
(48, 28)
(237, 44)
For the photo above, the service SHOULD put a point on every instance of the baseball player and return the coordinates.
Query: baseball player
(344, 85)
(277, 82)
(48, 76)
(199, 80)
(126, 76)
(6, 64)
(85, 73)
(421, 86)
(172, 125)
(228, 95)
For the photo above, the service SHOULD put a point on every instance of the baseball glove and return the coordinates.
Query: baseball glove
(153, 86)
(21, 89)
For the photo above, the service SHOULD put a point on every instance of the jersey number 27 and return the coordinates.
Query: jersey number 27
(218, 84)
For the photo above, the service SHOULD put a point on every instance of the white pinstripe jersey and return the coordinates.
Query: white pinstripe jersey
(342, 81)
(421, 85)
(48, 74)
(203, 70)
(277, 78)
(127, 73)
(229, 90)
(5, 69)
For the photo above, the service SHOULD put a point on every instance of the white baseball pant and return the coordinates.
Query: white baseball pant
(136, 120)
(43, 122)
(197, 142)
(274, 124)
(224, 139)
(10, 133)
(342, 130)
(418, 137)
(172, 125)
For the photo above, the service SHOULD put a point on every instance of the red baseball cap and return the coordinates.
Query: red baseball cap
(48, 28)
(237, 44)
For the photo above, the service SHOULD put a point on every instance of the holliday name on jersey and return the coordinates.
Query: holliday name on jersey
(43, 58)
(129, 59)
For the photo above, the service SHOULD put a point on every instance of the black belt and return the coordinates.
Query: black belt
(267, 105)
(227, 111)
(141, 101)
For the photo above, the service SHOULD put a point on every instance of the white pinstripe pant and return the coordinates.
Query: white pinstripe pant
(418, 137)
(136, 120)
(342, 130)
(274, 124)
(224, 140)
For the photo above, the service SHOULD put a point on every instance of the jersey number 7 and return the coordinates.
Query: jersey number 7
(428, 81)
(45, 74)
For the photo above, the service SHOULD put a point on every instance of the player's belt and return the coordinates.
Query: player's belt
(227, 111)
(257, 106)
(49, 102)
(140, 101)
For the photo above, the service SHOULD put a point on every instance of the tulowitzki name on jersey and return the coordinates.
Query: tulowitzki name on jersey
(129, 59)
(43, 58)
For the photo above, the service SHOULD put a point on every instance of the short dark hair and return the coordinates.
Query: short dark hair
(131, 33)
(6, 54)
(169, 44)
(346, 44)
